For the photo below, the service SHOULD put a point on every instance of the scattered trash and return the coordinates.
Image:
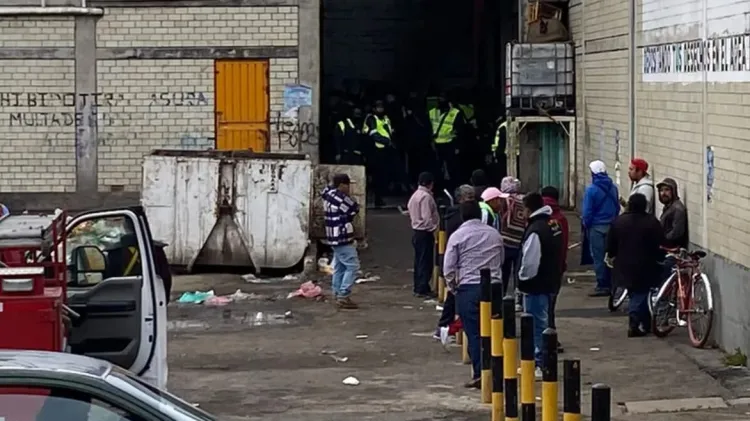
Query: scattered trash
(307, 290)
(288, 314)
(430, 301)
(408, 307)
(339, 359)
(574, 245)
(423, 334)
(328, 352)
(241, 296)
(351, 381)
(196, 405)
(196, 297)
(361, 337)
(366, 280)
(410, 270)
(438, 307)
(252, 279)
(325, 266)
(594, 349)
(217, 301)
(290, 277)
(571, 281)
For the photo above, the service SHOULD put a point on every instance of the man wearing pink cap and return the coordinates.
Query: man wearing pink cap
(491, 206)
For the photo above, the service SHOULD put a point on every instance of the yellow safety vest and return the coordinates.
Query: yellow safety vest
(500, 128)
(468, 111)
(342, 125)
(442, 125)
(382, 127)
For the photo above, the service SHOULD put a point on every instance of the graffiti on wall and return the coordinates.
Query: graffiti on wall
(291, 133)
(55, 109)
(709, 173)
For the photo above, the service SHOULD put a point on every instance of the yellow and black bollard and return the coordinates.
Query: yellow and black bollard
(465, 358)
(485, 332)
(510, 359)
(442, 239)
(601, 401)
(549, 375)
(497, 356)
(572, 390)
(435, 267)
(528, 397)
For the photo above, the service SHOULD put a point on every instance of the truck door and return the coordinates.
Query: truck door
(111, 286)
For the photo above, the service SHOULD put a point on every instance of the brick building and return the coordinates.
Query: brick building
(88, 88)
(642, 91)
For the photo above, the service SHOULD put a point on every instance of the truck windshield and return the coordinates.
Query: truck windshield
(166, 402)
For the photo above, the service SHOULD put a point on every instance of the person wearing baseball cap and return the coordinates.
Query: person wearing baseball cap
(491, 206)
(642, 182)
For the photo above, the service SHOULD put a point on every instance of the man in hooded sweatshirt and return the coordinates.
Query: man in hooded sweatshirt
(539, 272)
(551, 197)
(674, 221)
(642, 183)
(600, 208)
(453, 220)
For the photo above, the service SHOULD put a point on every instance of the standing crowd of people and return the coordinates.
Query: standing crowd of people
(396, 140)
(522, 238)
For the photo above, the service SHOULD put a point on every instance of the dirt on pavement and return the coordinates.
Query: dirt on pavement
(254, 360)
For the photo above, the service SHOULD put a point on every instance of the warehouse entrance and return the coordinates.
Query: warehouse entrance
(405, 52)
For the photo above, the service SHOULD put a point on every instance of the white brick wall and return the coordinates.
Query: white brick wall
(141, 104)
(670, 116)
(602, 86)
(156, 104)
(198, 27)
(38, 134)
(40, 32)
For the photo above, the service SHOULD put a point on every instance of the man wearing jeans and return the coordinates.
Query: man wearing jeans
(600, 208)
(540, 269)
(473, 247)
(340, 210)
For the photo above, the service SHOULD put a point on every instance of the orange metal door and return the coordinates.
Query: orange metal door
(242, 105)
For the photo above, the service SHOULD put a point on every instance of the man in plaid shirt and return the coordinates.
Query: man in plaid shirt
(340, 210)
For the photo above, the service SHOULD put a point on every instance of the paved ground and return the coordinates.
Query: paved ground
(247, 361)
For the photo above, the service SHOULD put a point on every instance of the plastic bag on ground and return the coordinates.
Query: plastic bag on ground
(307, 290)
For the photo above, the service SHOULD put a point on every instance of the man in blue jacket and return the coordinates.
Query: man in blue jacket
(600, 208)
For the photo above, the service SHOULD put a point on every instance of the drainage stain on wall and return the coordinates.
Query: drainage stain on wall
(709, 173)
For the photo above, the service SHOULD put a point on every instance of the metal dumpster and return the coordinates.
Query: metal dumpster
(229, 208)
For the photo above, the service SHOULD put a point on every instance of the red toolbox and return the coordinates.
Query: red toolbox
(33, 281)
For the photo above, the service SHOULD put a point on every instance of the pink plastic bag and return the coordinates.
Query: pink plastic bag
(307, 290)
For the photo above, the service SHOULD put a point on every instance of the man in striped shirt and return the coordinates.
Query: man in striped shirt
(474, 246)
(340, 210)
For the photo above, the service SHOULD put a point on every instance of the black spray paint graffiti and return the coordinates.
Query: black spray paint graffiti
(55, 118)
(291, 133)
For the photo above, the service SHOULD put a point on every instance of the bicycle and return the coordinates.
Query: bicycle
(617, 296)
(677, 299)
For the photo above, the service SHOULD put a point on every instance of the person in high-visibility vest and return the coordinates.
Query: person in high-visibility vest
(496, 159)
(348, 139)
(379, 130)
(447, 125)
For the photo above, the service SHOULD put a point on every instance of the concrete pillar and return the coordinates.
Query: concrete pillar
(87, 179)
(309, 67)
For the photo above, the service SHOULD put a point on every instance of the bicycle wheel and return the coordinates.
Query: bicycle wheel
(616, 298)
(701, 316)
(664, 308)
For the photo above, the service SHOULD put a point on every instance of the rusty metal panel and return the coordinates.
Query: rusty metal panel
(242, 104)
(322, 177)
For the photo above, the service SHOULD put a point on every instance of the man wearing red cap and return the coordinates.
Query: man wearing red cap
(642, 183)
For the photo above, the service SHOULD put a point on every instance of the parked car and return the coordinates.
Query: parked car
(51, 386)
